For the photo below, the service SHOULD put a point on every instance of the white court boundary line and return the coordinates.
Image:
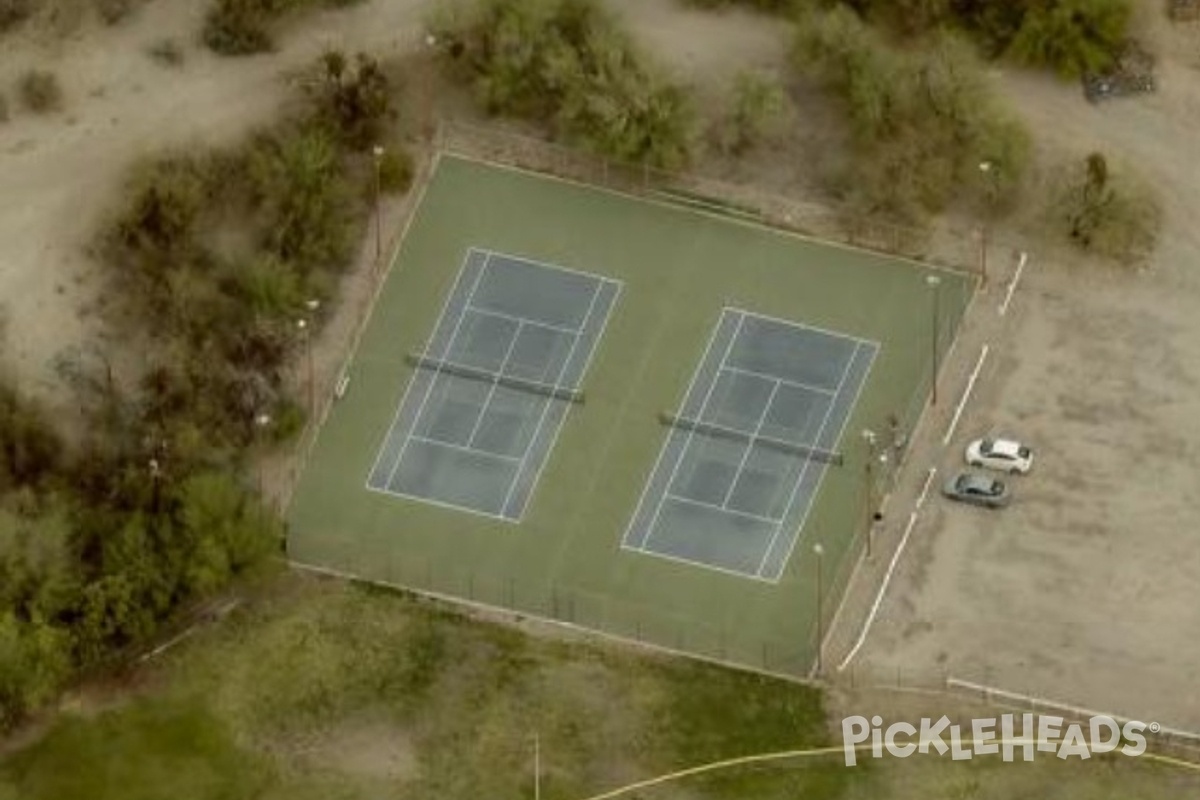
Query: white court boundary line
(462, 270)
(587, 317)
(992, 691)
(807, 463)
(416, 424)
(712, 339)
(962, 402)
(1012, 285)
(820, 482)
(687, 443)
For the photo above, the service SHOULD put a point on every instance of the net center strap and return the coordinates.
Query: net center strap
(483, 375)
(721, 432)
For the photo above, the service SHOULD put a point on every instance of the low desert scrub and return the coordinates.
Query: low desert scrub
(1104, 211)
(40, 91)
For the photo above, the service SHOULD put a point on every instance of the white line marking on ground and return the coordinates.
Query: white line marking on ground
(550, 402)
(416, 424)
(692, 433)
(487, 401)
(722, 509)
(808, 461)
(537, 323)
(462, 270)
(887, 579)
(965, 396)
(762, 418)
(777, 379)
(712, 338)
(1012, 285)
(462, 448)
(925, 488)
(420, 498)
(791, 323)
(1024, 699)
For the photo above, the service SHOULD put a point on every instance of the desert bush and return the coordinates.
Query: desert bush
(1072, 36)
(395, 171)
(113, 11)
(40, 91)
(1105, 212)
(922, 121)
(167, 51)
(757, 108)
(29, 446)
(567, 64)
(1067, 36)
(15, 11)
(3, 108)
(353, 97)
(244, 27)
(768, 6)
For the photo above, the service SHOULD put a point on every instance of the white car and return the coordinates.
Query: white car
(1005, 455)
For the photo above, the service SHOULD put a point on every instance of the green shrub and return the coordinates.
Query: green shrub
(3, 108)
(922, 122)
(395, 171)
(757, 110)
(15, 11)
(244, 27)
(1072, 36)
(167, 52)
(41, 91)
(353, 97)
(568, 65)
(113, 11)
(239, 27)
(1107, 213)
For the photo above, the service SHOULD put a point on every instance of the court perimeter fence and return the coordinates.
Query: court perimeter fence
(941, 245)
(792, 655)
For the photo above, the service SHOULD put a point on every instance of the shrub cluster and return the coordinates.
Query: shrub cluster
(568, 64)
(244, 27)
(1068, 36)
(1106, 212)
(923, 122)
(40, 91)
(216, 256)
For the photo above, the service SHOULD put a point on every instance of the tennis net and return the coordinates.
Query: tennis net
(512, 382)
(730, 434)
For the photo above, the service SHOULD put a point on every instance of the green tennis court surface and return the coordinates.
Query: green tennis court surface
(619, 413)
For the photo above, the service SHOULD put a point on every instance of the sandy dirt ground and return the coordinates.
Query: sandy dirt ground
(1084, 591)
(60, 174)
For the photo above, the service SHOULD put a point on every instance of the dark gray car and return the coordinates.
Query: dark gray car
(980, 490)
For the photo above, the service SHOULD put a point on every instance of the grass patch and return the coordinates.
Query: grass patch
(329, 691)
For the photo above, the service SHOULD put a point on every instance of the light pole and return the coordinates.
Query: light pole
(934, 283)
(990, 173)
(537, 767)
(262, 421)
(305, 326)
(819, 551)
(378, 151)
(870, 439)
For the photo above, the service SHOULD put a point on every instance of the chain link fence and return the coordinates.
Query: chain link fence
(938, 245)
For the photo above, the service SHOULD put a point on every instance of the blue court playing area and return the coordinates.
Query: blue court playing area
(494, 385)
(760, 424)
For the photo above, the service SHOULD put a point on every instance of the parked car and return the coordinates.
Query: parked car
(1006, 455)
(979, 490)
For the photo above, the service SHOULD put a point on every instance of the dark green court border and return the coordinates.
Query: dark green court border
(564, 561)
